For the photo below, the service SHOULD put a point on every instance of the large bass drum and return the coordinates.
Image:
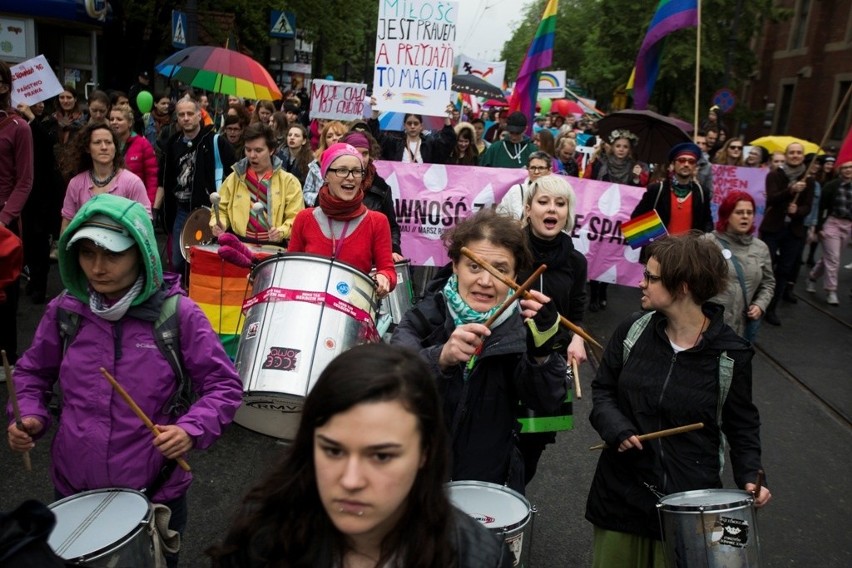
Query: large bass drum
(305, 311)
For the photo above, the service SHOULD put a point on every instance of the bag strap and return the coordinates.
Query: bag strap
(219, 169)
(738, 267)
(636, 329)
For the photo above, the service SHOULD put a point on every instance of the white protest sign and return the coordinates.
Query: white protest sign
(337, 101)
(415, 49)
(492, 71)
(33, 81)
(551, 84)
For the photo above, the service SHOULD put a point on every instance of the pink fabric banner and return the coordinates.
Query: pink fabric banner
(431, 198)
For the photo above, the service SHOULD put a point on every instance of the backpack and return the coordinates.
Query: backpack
(726, 375)
(167, 338)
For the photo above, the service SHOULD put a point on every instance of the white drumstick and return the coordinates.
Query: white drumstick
(215, 198)
(257, 207)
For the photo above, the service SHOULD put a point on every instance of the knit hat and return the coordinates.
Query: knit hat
(356, 139)
(516, 123)
(687, 148)
(336, 151)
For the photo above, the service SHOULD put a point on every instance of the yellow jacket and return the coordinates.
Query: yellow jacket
(235, 203)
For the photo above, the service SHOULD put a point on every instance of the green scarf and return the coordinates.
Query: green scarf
(462, 313)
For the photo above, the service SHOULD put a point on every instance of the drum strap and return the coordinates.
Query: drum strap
(163, 476)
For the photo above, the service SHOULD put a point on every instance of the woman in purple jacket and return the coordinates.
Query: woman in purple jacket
(115, 292)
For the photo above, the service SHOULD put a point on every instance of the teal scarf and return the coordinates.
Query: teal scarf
(462, 313)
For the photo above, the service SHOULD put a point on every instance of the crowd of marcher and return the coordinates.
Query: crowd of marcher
(386, 426)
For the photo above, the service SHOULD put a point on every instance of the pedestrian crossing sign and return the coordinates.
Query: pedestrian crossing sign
(178, 29)
(282, 24)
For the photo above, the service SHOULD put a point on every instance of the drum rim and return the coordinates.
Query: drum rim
(494, 487)
(117, 543)
(181, 240)
(309, 255)
(747, 499)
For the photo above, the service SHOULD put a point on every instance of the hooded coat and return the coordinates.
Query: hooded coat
(100, 442)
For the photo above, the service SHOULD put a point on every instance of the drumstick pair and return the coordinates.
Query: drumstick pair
(523, 294)
(659, 434)
(13, 400)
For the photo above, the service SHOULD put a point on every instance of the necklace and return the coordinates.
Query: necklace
(102, 182)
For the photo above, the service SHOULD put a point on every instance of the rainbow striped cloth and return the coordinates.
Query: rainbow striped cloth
(644, 229)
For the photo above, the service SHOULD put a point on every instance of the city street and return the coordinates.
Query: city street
(801, 387)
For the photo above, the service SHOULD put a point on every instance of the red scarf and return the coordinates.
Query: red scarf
(338, 209)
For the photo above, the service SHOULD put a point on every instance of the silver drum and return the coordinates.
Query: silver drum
(305, 311)
(104, 528)
(501, 510)
(709, 528)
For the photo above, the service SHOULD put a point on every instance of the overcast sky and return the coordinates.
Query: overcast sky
(484, 25)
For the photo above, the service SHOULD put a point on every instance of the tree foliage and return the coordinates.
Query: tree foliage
(597, 42)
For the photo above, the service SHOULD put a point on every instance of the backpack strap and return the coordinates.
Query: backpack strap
(726, 377)
(167, 337)
(636, 329)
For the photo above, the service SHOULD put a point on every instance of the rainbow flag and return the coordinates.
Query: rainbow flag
(672, 15)
(539, 57)
(644, 229)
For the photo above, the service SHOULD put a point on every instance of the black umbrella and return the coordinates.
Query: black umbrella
(657, 133)
(473, 85)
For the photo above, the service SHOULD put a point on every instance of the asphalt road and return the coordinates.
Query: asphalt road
(801, 386)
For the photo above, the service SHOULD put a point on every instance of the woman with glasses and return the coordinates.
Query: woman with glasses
(730, 154)
(676, 364)
(341, 227)
(259, 177)
(539, 164)
(414, 146)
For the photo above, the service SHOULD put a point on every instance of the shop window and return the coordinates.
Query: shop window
(77, 50)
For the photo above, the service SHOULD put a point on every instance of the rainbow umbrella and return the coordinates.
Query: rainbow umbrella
(220, 70)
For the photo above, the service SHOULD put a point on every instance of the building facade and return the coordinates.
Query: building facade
(804, 72)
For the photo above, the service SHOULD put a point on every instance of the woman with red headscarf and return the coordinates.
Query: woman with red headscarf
(751, 281)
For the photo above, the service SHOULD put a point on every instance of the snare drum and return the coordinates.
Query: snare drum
(501, 510)
(709, 528)
(104, 528)
(305, 311)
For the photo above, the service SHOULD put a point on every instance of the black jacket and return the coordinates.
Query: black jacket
(434, 149)
(484, 439)
(657, 389)
(204, 180)
(658, 196)
(565, 279)
(379, 198)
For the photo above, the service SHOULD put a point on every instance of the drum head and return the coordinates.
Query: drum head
(495, 506)
(196, 231)
(94, 520)
(705, 500)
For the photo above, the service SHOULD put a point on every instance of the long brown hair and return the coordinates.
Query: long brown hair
(282, 521)
(79, 158)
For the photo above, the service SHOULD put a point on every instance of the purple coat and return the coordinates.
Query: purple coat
(100, 441)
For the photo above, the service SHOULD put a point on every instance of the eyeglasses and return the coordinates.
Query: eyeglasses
(537, 169)
(650, 278)
(343, 173)
(685, 161)
(735, 148)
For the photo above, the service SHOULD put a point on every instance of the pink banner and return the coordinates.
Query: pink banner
(431, 198)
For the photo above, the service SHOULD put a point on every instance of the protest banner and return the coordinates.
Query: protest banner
(33, 81)
(334, 100)
(431, 198)
(415, 51)
(492, 71)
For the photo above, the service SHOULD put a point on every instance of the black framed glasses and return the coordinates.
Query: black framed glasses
(537, 169)
(344, 173)
(650, 278)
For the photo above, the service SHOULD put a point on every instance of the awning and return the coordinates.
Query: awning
(84, 11)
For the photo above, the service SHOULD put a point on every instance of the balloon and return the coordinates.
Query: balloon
(144, 101)
(545, 105)
(560, 106)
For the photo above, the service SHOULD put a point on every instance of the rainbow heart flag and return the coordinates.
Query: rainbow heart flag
(644, 229)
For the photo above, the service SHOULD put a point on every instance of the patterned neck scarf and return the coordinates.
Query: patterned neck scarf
(100, 305)
(259, 191)
(462, 313)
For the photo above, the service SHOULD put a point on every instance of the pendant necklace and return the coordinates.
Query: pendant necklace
(517, 155)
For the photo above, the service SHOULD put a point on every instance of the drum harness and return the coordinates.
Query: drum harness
(167, 338)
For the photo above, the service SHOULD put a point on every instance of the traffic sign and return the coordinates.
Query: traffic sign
(282, 24)
(178, 29)
(725, 99)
